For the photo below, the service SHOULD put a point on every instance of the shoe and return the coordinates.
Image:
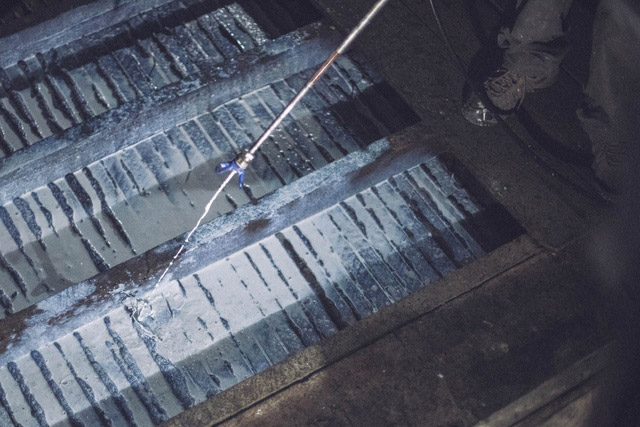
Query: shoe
(505, 89)
(474, 110)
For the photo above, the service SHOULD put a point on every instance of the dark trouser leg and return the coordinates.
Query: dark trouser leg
(533, 50)
(536, 45)
(614, 86)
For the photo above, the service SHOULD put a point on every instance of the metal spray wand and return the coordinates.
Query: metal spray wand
(242, 161)
(140, 309)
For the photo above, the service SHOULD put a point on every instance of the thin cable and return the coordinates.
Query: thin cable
(421, 19)
(460, 64)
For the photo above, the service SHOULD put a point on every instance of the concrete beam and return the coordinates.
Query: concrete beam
(73, 20)
(549, 398)
(360, 337)
(283, 242)
(114, 130)
(80, 304)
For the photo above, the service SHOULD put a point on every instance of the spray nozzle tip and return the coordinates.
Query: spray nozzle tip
(238, 165)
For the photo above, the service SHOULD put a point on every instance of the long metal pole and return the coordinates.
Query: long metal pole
(245, 158)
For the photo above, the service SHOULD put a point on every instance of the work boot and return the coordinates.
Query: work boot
(505, 89)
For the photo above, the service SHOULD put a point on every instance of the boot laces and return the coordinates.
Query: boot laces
(506, 87)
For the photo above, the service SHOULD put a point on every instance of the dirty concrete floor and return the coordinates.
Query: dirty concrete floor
(470, 344)
(505, 324)
(457, 364)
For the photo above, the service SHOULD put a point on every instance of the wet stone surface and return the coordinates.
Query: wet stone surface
(234, 318)
(114, 350)
(47, 92)
(128, 202)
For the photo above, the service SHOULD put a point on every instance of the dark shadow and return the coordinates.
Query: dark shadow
(492, 226)
(552, 145)
(6, 8)
(484, 26)
(374, 113)
(489, 58)
(279, 17)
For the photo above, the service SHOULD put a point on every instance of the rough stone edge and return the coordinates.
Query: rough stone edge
(311, 360)
(551, 390)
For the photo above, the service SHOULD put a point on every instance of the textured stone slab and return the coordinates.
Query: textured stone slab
(237, 304)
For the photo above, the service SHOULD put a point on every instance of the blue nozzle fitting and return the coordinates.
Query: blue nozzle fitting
(238, 165)
(225, 167)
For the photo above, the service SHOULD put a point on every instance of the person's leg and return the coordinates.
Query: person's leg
(536, 45)
(533, 49)
(614, 84)
(613, 87)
